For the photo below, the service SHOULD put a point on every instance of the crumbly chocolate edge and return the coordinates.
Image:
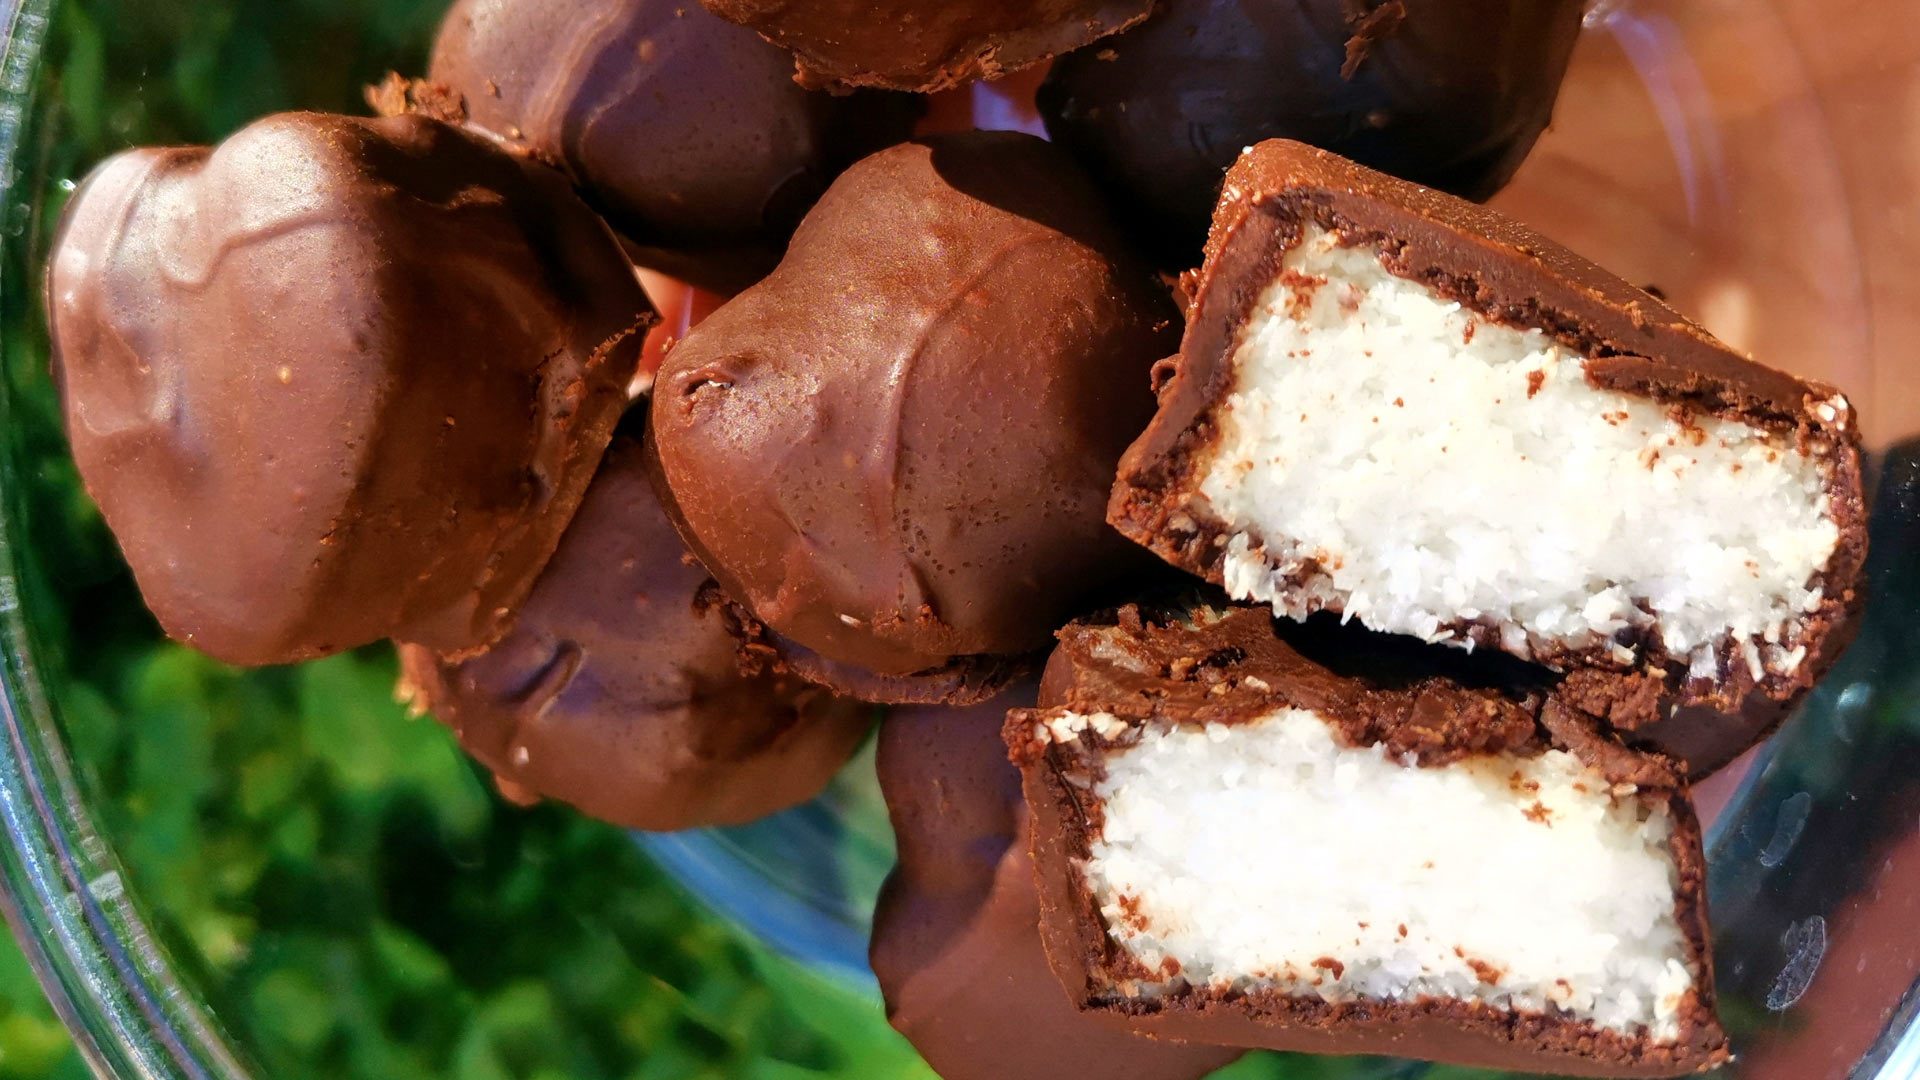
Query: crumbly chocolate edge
(1058, 781)
(1155, 502)
(963, 680)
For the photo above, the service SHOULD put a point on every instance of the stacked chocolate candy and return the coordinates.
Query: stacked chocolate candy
(345, 379)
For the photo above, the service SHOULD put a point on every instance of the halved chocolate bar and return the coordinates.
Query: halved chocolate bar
(1239, 845)
(956, 937)
(1405, 408)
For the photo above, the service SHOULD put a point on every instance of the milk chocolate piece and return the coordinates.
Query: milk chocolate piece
(926, 45)
(685, 130)
(617, 689)
(894, 451)
(337, 379)
(956, 936)
(1399, 406)
(1451, 95)
(1237, 844)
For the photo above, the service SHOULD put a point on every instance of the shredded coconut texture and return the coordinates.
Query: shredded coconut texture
(1390, 455)
(1270, 855)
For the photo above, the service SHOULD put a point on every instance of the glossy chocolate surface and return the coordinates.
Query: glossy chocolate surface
(688, 132)
(337, 379)
(1451, 95)
(893, 451)
(618, 690)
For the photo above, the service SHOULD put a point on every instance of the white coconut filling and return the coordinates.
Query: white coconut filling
(1388, 454)
(1270, 855)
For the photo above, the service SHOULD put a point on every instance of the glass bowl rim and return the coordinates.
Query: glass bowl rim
(62, 891)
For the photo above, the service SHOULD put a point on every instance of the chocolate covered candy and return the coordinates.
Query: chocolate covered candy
(1399, 406)
(956, 935)
(618, 691)
(1241, 845)
(685, 130)
(1451, 95)
(337, 379)
(893, 451)
(926, 45)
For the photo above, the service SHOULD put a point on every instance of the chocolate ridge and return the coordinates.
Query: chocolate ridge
(842, 45)
(962, 680)
(1228, 666)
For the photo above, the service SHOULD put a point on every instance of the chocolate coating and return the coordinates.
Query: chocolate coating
(1451, 95)
(337, 379)
(1510, 274)
(685, 130)
(617, 689)
(1228, 666)
(965, 681)
(926, 45)
(892, 450)
(956, 939)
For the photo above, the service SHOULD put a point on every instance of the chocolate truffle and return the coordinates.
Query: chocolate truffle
(617, 690)
(337, 379)
(893, 451)
(956, 935)
(1238, 845)
(685, 130)
(926, 45)
(1402, 407)
(1451, 95)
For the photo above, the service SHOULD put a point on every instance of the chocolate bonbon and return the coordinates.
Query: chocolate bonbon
(337, 379)
(618, 690)
(1451, 95)
(893, 451)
